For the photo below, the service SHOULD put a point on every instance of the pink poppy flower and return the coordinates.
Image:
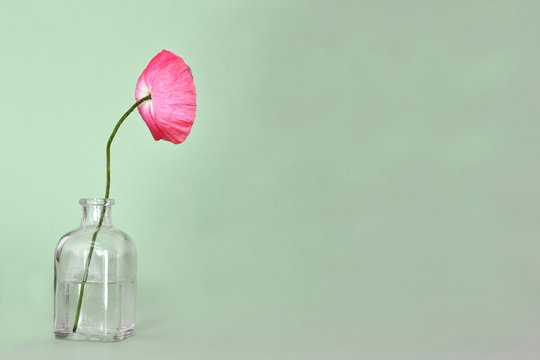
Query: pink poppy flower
(170, 112)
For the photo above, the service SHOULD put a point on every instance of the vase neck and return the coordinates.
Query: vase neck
(92, 209)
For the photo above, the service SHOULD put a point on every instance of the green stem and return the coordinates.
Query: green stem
(100, 222)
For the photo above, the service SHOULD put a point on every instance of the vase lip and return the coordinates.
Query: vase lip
(96, 202)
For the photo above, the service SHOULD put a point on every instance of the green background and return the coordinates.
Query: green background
(362, 180)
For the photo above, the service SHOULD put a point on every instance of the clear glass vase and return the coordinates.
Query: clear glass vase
(107, 308)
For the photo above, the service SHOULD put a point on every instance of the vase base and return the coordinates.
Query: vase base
(119, 335)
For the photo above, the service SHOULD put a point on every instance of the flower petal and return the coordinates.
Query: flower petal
(171, 111)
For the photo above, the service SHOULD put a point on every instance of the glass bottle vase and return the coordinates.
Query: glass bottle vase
(107, 308)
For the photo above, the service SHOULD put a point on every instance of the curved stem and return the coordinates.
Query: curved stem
(98, 227)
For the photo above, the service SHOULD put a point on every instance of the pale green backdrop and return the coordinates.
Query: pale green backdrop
(362, 180)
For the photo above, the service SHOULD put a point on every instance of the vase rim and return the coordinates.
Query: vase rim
(96, 202)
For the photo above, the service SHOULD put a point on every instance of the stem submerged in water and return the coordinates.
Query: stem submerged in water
(98, 227)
